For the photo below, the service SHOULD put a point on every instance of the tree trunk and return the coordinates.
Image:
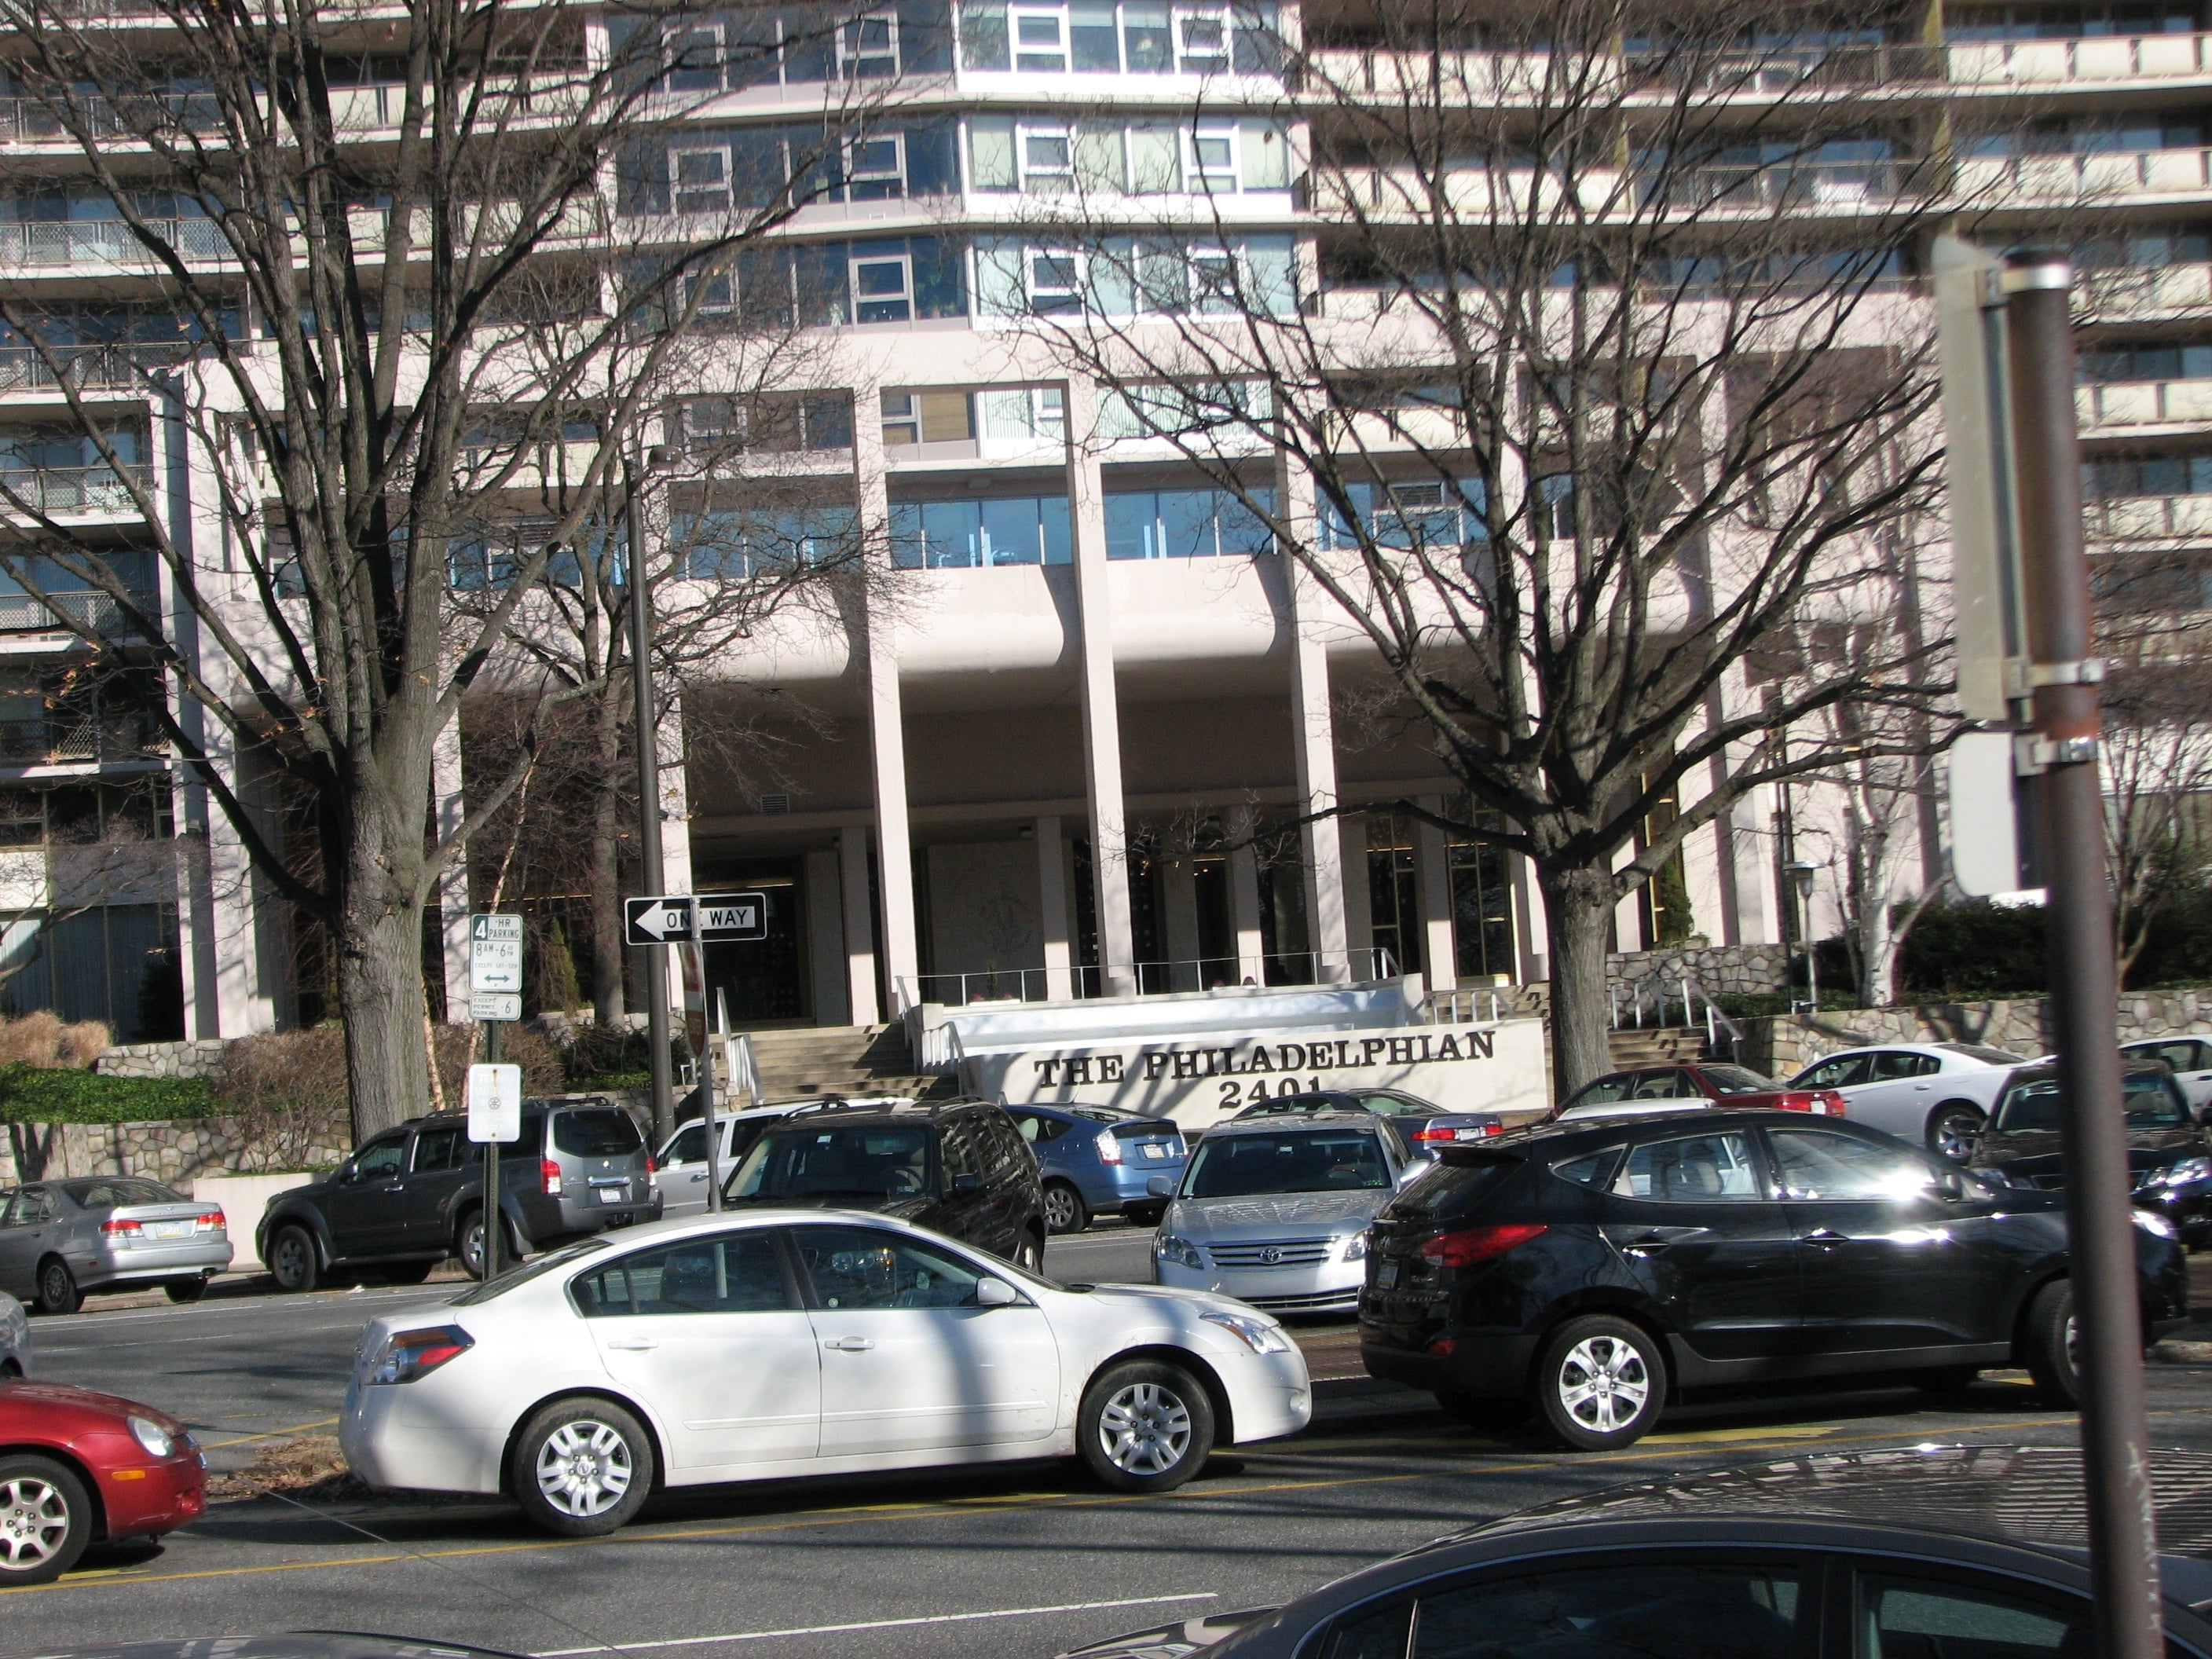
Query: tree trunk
(608, 952)
(1578, 928)
(380, 995)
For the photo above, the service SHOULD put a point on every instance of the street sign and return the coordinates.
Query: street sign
(496, 953)
(496, 1103)
(495, 1005)
(723, 917)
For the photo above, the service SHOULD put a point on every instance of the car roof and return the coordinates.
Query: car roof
(1300, 1124)
(1596, 1129)
(913, 1111)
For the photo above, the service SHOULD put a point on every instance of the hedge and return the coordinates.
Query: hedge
(30, 1094)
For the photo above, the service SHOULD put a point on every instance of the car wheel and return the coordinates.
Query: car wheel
(186, 1290)
(1029, 1255)
(1064, 1211)
(581, 1467)
(1144, 1426)
(293, 1262)
(407, 1273)
(57, 1291)
(471, 1247)
(1600, 1382)
(1944, 1379)
(2053, 1345)
(1953, 1129)
(46, 1520)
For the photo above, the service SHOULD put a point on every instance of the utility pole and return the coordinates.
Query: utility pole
(651, 877)
(2061, 686)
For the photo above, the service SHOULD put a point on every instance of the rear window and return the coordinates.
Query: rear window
(107, 1192)
(1735, 1080)
(1452, 1186)
(2151, 1099)
(1987, 1055)
(597, 1132)
(1144, 1128)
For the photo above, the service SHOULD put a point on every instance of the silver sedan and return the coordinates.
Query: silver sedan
(59, 1239)
(15, 1339)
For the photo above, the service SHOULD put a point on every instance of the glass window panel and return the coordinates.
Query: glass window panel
(953, 531)
(1147, 45)
(867, 1268)
(1155, 159)
(1243, 529)
(1093, 41)
(1010, 532)
(1130, 527)
(1187, 524)
(1053, 529)
(1691, 1170)
(1101, 163)
(1037, 41)
(1626, 1610)
(1267, 157)
(983, 35)
(1904, 1617)
(1818, 1164)
(736, 1273)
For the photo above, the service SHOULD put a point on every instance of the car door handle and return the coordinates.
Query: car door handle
(1825, 1238)
(848, 1344)
(1647, 1244)
(633, 1344)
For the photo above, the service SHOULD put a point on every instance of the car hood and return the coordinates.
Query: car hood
(1136, 1295)
(1267, 1216)
(1172, 1641)
(2036, 1151)
(67, 1395)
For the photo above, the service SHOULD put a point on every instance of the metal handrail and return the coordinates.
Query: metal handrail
(1443, 1007)
(1694, 1000)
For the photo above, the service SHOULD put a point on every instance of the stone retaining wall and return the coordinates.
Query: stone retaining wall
(1780, 1045)
(1721, 971)
(177, 1060)
(174, 1150)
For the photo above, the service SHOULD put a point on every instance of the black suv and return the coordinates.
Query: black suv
(957, 1167)
(1590, 1269)
(414, 1195)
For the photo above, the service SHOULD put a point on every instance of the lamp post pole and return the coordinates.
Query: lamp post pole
(650, 876)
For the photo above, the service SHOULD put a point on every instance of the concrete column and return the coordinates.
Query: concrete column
(1055, 924)
(1179, 919)
(244, 988)
(1628, 915)
(452, 897)
(1531, 921)
(1359, 898)
(901, 958)
(1102, 720)
(1313, 736)
(825, 940)
(1433, 882)
(1244, 898)
(862, 1005)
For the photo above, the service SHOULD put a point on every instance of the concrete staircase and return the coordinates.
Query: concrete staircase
(1657, 1045)
(815, 1061)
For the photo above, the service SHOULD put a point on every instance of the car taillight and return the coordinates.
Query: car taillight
(122, 1229)
(210, 1221)
(408, 1355)
(1469, 1245)
(1821, 1103)
(1110, 1148)
(1429, 1131)
(648, 1163)
(548, 1174)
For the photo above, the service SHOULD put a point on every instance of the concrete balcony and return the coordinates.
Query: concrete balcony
(97, 492)
(104, 245)
(20, 614)
(2140, 292)
(2151, 519)
(84, 368)
(2103, 179)
(2124, 403)
(2098, 61)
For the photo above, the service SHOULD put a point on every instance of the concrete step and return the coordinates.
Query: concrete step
(812, 1062)
(1656, 1045)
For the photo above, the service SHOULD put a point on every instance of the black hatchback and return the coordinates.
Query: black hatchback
(1592, 1271)
(957, 1166)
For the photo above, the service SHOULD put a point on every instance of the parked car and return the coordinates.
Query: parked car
(1934, 1094)
(15, 1339)
(2190, 1057)
(60, 1240)
(681, 1161)
(2169, 1150)
(80, 1466)
(1693, 1086)
(778, 1342)
(1935, 1551)
(414, 1195)
(1600, 1269)
(1275, 1212)
(957, 1167)
(1425, 1125)
(1098, 1160)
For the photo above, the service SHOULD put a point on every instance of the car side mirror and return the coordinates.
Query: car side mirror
(1161, 1187)
(965, 1184)
(995, 1293)
(349, 1172)
(1413, 1171)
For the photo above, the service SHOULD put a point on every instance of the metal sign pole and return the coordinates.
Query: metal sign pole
(2060, 684)
(650, 875)
(706, 1083)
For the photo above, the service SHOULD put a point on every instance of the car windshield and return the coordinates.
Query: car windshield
(597, 1132)
(830, 1160)
(2151, 1103)
(1986, 1054)
(1322, 1161)
(551, 1261)
(108, 1192)
(1735, 1080)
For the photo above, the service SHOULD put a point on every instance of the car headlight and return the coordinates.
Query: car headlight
(1258, 1334)
(412, 1354)
(1355, 1247)
(1168, 1248)
(157, 1440)
(2151, 1221)
(2184, 1174)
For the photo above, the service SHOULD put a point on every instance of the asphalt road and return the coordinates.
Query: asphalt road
(1025, 1561)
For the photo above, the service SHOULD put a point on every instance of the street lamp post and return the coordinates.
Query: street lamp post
(1801, 873)
(652, 876)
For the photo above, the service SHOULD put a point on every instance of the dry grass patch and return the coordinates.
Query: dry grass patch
(311, 1468)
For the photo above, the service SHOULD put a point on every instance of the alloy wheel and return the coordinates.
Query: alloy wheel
(584, 1468)
(35, 1522)
(1956, 1132)
(1603, 1384)
(1058, 1209)
(291, 1258)
(1145, 1429)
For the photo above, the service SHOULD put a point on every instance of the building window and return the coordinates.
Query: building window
(867, 47)
(937, 416)
(1023, 414)
(882, 287)
(1202, 41)
(956, 535)
(1424, 514)
(694, 60)
(774, 423)
(875, 168)
(738, 545)
(116, 962)
(1213, 158)
(699, 179)
(1186, 524)
(1055, 281)
(1482, 911)
(1038, 43)
(1048, 159)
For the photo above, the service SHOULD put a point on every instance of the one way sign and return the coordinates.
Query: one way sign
(722, 917)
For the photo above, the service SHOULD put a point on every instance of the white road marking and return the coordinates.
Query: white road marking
(882, 1624)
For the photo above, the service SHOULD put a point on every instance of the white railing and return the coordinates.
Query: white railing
(1154, 978)
(2142, 402)
(1467, 1004)
(2045, 62)
(1688, 995)
(741, 1070)
(105, 241)
(2094, 177)
(2150, 518)
(72, 488)
(2139, 289)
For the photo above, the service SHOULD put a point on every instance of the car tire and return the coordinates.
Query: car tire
(1144, 1426)
(1064, 1212)
(1953, 1128)
(187, 1289)
(581, 1468)
(57, 1291)
(1944, 1379)
(2049, 1337)
(1600, 1382)
(293, 1262)
(469, 1245)
(46, 1520)
(1143, 1215)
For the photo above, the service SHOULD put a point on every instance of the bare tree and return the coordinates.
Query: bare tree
(1614, 400)
(397, 287)
(2158, 781)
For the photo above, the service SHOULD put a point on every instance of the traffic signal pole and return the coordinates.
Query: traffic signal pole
(2063, 678)
(650, 879)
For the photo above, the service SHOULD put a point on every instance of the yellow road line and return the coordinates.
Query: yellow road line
(248, 1439)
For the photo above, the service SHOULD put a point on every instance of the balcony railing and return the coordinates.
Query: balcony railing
(2100, 177)
(65, 739)
(72, 488)
(2053, 63)
(2143, 402)
(20, 613)
(33, 121)
(2151, 518)
(2137, 289)
(105, 242)
(24, 369)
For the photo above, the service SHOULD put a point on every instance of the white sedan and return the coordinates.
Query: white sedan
(786, 1342)
(1933, 1094)
(2191, 1058)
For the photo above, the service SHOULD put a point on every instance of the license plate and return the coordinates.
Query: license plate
(1385, 1274)
(614, 1194)
(1154, 1149)
(171, 1229)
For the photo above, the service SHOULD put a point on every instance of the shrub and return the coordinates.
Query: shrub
(519, 1045)
(41, 1094)
(39, 1039)
(1973, 949)
(288, 1092)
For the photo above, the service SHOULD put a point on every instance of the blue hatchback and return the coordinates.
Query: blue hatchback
(1095, 1160)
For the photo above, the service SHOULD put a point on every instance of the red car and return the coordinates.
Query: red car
(1691, 1084)
(79, 1466)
